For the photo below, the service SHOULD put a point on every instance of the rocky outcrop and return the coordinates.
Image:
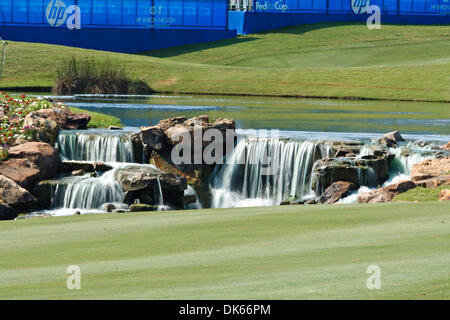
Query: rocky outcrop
(160, 140)
(430, 169)
(14, 196)
(31, 162)
(391, 139)
(444, 195)
(367, 170)
(143, 183)
(337, 191)
(386, 194)
(344, 148)
(66, 119)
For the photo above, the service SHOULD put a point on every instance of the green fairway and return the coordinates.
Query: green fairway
(321, 60)
(291, 252)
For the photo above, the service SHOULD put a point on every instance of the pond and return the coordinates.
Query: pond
(287, 114)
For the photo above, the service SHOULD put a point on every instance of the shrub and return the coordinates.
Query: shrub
(87, 75)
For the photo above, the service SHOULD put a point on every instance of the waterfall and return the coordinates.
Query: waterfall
(87, 192)
(191, 192)
(403, 163)
(263, 171)
(96, 145)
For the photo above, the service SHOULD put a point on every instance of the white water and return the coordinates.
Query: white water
(87, 192)
(263, 171)
(96, 145)
(259, 172)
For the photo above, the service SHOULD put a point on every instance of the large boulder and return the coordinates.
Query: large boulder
(66, 119)
(159, 141)
(143, 184)
(44, 128)
(6, 212)
(15, 196)
(367, 170)
(391, 139)
(337, 191)
(31, 162)
(431, 168)
(387, 193)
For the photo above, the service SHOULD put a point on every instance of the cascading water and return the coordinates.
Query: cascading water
(96, 145)
(87, 192)
(266, 171)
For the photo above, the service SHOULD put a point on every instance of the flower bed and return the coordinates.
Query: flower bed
(12, 115)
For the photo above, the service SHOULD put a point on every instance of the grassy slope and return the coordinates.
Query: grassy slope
(277, 253)
(396, 62)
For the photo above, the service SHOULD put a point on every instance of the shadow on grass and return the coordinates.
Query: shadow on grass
(176, 51)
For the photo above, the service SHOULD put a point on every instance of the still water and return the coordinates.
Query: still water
(300, 115)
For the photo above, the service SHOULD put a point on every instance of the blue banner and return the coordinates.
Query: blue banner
(356, 6)
(75, 14)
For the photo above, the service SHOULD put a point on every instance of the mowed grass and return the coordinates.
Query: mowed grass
(421, 194)
(320, 60)
(99, 120)
(290, 252)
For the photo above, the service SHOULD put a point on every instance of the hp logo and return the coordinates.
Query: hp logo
(360, 6)
(57, 13)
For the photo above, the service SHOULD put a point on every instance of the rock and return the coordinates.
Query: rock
(160, 140)
(109, 207)
(15, 196)
(434, 182)
(114, 128)
(6, 212)
(444, 195)
(387, 193)
(142, 208)
(188, 199)
(43, 192)
(66, 119)
(391, 139)
(431, 168)
(31, 162)
(367, 170)
(78, 173)
(446, 146)
(138, 148)
(375, 196)
(77, 213)
(153, 137)
(44, 128)
(20, 171)
(143, 183)
(71, 166)
(400, 187)
(337, 191)
(42, 155)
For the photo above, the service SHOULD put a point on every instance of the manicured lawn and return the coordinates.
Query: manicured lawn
(421, 194)
(296, 252)
(323, 60)
(99, 120)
